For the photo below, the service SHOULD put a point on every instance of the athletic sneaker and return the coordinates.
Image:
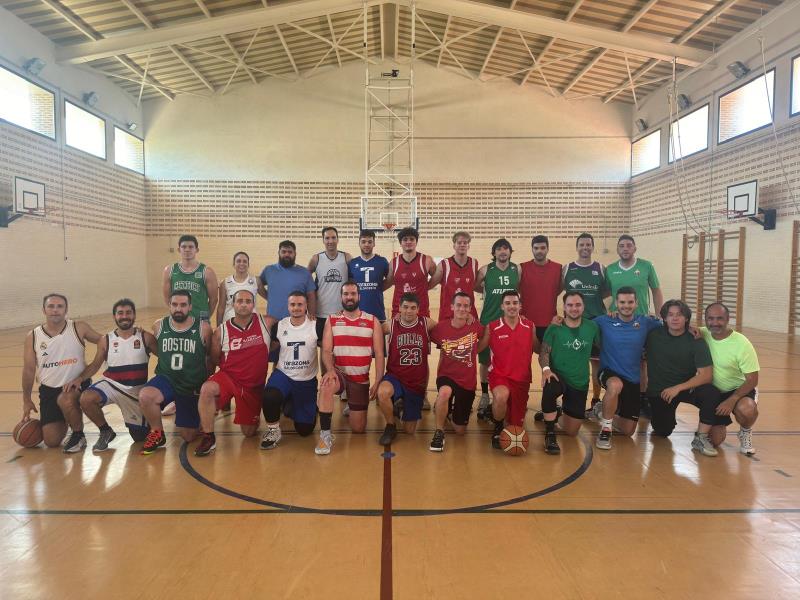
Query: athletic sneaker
(551, 443)
(746, 441)
(389, 433)
(425, 404)
(154, 440)
(703, 445)
(346, 410)
(484, 412)
(325, 443)
(597, 411)
(498, 428)
(169, 409)
(437, 442)
(589, 411)
(106, 435)
(270, 438)
(207, 445)
(539, 415)
(75, 443)
(604, 439)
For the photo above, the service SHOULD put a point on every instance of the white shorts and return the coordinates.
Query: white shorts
(124, 396)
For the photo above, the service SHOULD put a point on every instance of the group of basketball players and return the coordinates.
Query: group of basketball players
(646, 365)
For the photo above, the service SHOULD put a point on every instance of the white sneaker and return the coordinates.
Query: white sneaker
(597, 411)
(346, 410)
(169, 409)
(703, 445)
(746, 442)
(325, 443)
(270, 438)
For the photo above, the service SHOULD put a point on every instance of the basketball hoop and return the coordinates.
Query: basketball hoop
(730, 214)
(389, 221)
(389, 227)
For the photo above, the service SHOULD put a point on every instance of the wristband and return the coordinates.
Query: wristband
(546, 369)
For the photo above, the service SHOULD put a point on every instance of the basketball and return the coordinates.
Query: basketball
(514, 440)
(28, 433)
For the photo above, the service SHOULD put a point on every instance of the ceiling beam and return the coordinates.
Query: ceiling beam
(444, 41)
(239, 58)
(286, 48)
(333, 39)
(575, 8)
(634, 44)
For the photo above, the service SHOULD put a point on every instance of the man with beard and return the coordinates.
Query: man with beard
(349, 342)
(126, 351)
(285, 277)
(183, 343)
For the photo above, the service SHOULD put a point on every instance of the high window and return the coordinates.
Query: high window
(646, 153)
(85, 131)
(747, 108)
(26, 104)
(689, 134)
(128, 150)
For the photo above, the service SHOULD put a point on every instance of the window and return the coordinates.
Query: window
(646, 153)
(795, 93)
(746, 108)
(85, 131)
(689, 134)
(128, 151)
(26, 104)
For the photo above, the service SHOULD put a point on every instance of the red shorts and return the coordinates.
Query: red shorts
(357, 393)
(517, 397)
(248, 400)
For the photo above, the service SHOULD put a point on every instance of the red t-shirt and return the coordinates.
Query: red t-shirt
(512, 349)
(408, 353)
(456, 278)
(459, 350)
(410, 277)
(539, 286)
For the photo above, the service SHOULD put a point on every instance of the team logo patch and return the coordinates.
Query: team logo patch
(636, 325)
(43, 346)
(333, 276)
(137, 344)
(637, 272)
(198, 275)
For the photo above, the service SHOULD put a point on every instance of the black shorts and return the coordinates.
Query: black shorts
(460, 403)
(629, 401)
(540, 333)
(320, 325)
(573, 402)
(49, 410)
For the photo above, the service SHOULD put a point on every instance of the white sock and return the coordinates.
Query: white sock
(606, 423)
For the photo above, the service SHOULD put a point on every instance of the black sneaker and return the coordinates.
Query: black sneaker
(397, 408)
(75, 443)
(551, 443)
(389, 433)
(437, 443)
(498, 427)
(207, 445)
(154, 440)
(106, 437)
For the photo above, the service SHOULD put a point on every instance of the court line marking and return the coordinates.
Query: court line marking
(386, 525)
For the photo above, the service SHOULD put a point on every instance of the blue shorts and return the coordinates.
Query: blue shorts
(299, 397)
(412, 401)
(186, 413)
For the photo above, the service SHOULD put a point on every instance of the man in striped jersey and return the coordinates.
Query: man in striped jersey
(349, 341)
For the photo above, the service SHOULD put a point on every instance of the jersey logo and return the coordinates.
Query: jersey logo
(637, 272)
(595, 273)
(295, 346)
(332, 276)
(137, 344)
(636, 325)
(576, 345)
(198, 275)
(43, 346)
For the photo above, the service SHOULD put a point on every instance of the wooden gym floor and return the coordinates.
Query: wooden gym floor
(648, 519)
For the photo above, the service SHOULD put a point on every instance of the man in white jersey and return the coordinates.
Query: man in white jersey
(54, 354)
(126, 351)
(292, 386)
(329, 269)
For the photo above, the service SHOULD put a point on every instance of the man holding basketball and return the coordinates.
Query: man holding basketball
(54, 354)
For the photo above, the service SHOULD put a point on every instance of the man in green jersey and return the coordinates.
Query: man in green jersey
(192, 276)
(493, 280)
(564, 358)
(735, 375)
(637, 273)
(183, 343)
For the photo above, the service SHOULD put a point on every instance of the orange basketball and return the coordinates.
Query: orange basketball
(514, 440)
(28, 433)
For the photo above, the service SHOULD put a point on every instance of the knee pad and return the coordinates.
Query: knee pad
(304, 429)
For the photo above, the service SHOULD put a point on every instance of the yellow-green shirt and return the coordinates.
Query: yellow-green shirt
(733, 358)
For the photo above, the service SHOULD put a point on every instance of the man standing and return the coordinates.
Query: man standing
(330, 272)
(410, 272)
(679, 370)
(349, 342)
(456, 274)
(564, 359)
(637, 273)
(54, 354)
(455, 377)
(284, 277)
(183, 343)
(735, 375)
(494, 280)
(512, 341)
(192, 276)
(369, 271)
(126, 351)
(240, 346)
(539, 286)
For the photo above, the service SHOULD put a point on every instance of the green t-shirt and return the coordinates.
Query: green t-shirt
(673, 359)
(641, 276)
(495, 284)
(570, 350)
(195, 284)
(590, 281)
(733, 358)
(181, 357)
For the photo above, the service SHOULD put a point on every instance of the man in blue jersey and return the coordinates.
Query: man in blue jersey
(623, 339)
(369, 271)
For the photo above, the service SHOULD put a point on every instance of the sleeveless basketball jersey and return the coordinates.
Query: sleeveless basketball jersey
(195, 284)
(511, 349)
(411, 277)
(330, 275)
(590, 281)
(495, 284)
(59, 358)
(245, 352)
(456, 278)
(127, 360)
(181, 357)
(408, 353)
(352, 345)
(231, 287)
(297, 357)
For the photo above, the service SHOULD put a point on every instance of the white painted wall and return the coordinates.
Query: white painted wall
(313, 130)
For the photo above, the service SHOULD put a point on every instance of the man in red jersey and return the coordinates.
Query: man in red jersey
(512, 340)
(350, 340)
(539, 286)
(241, 348)
(410, 272)
(456, 377)
(402, 390)
(456, 274)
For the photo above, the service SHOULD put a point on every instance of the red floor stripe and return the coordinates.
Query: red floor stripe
(386, 529)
